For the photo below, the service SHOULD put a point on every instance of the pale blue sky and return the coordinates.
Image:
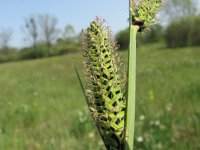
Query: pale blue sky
(79, 13)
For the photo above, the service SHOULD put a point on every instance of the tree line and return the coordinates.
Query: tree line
(43, 36)
(181, 28)
(38, 29)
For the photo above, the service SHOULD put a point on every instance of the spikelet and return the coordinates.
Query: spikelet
(105, 79)
(144, 13)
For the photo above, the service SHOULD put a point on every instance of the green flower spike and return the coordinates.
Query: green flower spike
(144, 13)
(105, 82)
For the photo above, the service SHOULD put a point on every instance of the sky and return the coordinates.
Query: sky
(78, 13)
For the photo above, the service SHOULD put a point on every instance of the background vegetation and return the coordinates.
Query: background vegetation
(42, 106)
(50, 112)
(183, 32)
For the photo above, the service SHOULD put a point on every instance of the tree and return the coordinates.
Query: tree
(123, 39)
(49, 30)
(69, 32)
(5, 37)
(174, 9)
(31, 30)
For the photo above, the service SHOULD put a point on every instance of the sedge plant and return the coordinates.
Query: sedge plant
(142, 15)
(110, 97)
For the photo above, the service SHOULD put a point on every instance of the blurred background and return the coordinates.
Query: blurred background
(41, 103)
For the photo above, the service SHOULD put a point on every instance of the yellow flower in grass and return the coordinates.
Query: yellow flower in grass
(151, 95)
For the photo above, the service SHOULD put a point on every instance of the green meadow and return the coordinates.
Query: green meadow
(42, 106)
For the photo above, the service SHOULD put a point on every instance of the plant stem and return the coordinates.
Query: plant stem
(130, 105)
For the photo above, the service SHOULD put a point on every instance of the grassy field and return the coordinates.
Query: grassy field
(42, 106)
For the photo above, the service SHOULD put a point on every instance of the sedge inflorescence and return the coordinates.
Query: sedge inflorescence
(144, 13)
(105, 83)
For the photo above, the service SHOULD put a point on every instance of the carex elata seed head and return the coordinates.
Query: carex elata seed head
(105, 83)
(144, 13)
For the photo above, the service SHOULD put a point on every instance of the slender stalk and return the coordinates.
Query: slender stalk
(130, 105)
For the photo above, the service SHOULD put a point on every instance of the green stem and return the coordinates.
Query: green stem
(130, 105)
